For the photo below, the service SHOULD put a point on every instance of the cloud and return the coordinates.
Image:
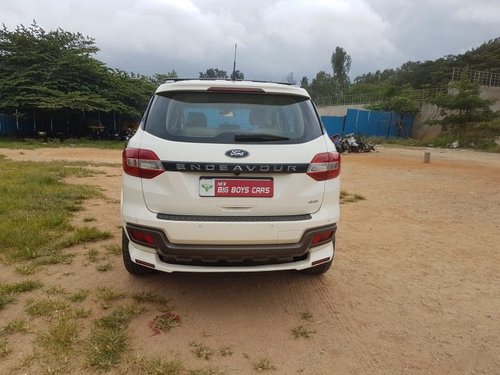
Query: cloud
(274, 37)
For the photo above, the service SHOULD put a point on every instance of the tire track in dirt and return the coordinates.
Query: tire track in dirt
(297, 297)
(344, 329)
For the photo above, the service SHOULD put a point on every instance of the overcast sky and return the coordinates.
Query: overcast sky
(274, 37)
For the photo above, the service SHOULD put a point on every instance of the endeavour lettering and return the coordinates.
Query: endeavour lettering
(235, 168)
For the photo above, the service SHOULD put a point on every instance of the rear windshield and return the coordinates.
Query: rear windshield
(209, 117)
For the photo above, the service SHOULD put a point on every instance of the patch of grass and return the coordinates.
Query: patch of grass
(17, 325)
(346, 197)
(165, 322)
(155, 366)
(55, 289)
(54, 257)
(35, 196)
(59, 339)
(20, 287)
(149, 297)
(93, 255)
(24, 362)
(113, 249)
(4, 348)
(108, 339)
(306, 315)
(89, 219)
(9, 291)
(206, 371)
(81, 312)
(79, 296)
(5, 299)
(103, 267)
(201, 350)
(226, 351)
(27, 269)
(107, 294)
(32, 144)
(302, 331)
(264, 364)
(84, 235)
(46, 307)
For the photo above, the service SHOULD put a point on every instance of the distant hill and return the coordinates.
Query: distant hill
(438, 72)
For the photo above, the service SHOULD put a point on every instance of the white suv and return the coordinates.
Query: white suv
(229, 176)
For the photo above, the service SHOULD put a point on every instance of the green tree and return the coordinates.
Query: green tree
(159, 78)
(463, 105)
(53, 73)
(400, 100)
(304, 82)
(38, 69)
(323, 85)
(341, 64)
(214, 73)
(237, 75)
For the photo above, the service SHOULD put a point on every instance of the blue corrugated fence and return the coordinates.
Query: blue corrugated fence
(369, 123)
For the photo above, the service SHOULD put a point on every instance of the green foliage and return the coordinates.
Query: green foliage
(304, 82)
(53, 72)
(159, 78)
(108, 339)
(341, 64)
(214, 73)
(400, 100)
(9, 292)
(46, 307)
(83, 235)
(463, 105)
(37, 202)
(155, 366)
(237, 75)
(322, 85)
(484, 136)
(437, 73)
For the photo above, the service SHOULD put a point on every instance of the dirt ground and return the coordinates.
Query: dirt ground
(415, 286)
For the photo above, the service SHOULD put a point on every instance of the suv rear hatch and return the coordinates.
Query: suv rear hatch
(233, 154)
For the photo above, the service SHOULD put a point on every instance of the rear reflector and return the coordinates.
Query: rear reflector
(324, 166)
(322, 237)
(142, 237)
(146, 264)
(320, 261)
(141, 163)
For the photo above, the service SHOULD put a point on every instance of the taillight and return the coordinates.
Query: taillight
(141, 163)
(324, 166)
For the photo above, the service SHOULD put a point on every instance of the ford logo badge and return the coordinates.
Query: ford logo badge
(237, 153)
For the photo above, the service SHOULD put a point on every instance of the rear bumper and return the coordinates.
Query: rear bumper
(229, 255)
(314, 256)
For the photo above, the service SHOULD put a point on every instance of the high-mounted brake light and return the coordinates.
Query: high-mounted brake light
(236, 90)
(324, 166)
(141, 163)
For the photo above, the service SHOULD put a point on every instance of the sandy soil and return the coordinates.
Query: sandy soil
(415, 287)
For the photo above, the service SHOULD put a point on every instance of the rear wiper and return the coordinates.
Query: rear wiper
(259, 137)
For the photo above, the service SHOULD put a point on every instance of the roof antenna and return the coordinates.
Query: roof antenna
(233, 76)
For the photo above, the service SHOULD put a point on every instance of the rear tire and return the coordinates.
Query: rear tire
(131, 267)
